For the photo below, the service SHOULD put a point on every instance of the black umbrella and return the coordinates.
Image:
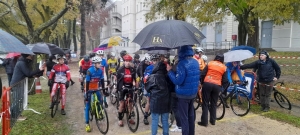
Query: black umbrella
(9, 43)
(67, 50)
(168, 34)
(45, 48)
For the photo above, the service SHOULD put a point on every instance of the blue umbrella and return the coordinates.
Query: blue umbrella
(9, 43)
(243, 47)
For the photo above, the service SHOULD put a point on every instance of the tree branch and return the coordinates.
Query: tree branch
(11, 10)
(54, 19)
(26, 16)
(41, 14)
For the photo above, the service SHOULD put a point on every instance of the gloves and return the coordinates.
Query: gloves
(50, 82)
(67, 84)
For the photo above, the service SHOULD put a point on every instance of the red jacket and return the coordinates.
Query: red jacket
(61, 73)
(85, 65)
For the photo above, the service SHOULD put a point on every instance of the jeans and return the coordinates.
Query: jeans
(165, 123)
(186, 112)
(175, 110)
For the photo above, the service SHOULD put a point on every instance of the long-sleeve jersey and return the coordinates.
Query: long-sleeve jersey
(61, 73)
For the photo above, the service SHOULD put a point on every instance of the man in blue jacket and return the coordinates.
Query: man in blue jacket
(186, 78)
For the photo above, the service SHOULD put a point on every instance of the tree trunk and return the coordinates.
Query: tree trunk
(82, 32)
(242, 33)
(69, 34)
(253, 36)
(74, 35)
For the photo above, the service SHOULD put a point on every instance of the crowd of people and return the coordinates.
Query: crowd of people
(167, 85)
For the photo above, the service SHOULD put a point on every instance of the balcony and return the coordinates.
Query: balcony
(116, 14)
(116, 26)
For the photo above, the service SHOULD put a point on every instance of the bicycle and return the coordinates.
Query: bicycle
(134, 112)
(55, 101)
(280, 99)
(237, 97)
(113, 89)
(220, 106)
(99, 112)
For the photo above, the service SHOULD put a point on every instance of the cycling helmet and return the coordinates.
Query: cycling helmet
(198, 50)
(100, 52)
(154, 56)
(92, 55)
(127, 57)
(136, 56)
(147, 57)
(96, 59)
(86, 58)
(219, 57)
(123, 53)
(112, 54)
(204, 57)
(60, 56)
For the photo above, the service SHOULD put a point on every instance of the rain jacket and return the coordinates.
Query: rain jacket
(187, 76)
(265, 70)
(159, 85)
(230, 69)
(22, 70)
(9, 65)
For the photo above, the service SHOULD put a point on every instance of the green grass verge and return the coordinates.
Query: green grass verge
(277, 115)
(41, 124)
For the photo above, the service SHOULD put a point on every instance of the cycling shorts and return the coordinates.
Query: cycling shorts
(124, 92)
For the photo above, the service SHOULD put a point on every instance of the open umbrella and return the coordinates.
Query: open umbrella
(101, 48)
(168, 34)
(113, 41)
(237, 55)
(243, 47)
(45, 48)
(9, 43)
(158, 52)
(10, 55)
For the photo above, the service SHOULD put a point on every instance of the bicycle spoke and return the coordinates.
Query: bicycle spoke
(240, 103)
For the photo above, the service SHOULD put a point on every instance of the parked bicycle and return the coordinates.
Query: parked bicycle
(239, 101)
(98, 112)
(280, 99)
(130, 109)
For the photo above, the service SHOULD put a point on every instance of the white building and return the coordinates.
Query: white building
(113, 25)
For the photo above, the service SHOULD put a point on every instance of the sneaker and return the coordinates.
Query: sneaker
(266, 109)
(72, 82)
(146, 122)
(63, 112)
(202, 124)
(120, 123)
(131, 121)
(105, 104)
(87, 128)
(176, 129)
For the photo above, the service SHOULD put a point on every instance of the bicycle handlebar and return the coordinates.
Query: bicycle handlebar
(243, 83)
(281, 83)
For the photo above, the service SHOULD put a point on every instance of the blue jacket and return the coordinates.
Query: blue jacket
(187, 76)
(94, 75)
(230, 69)
(104, 63)
(148, 70)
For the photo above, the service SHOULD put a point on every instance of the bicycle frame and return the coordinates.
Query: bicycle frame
(94, 102)
(235, 90)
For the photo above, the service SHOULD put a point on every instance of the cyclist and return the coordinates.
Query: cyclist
(100, 54)
(126, 78)
(142, 67)
(85, 64)
(136, 61)
(120, 60)
(112, 65)
(198, 56)
(232, 69)
(147, 73)
(62, 76)
(94, 76)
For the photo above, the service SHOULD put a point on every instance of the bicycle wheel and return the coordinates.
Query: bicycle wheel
(133, 118)
(240, 103)
(142, 103)
(101, 118)
(113, 98)
(220, 109)
(55, 101)
(282, 100)
(171, 120)
(197, 103)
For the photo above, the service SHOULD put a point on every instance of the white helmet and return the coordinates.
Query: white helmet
(113, 54)
(199, 49)
(99, 52)
(96, 59)
(147, 57)
(204, 57)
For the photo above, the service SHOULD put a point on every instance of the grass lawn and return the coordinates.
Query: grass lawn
(41, 124)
